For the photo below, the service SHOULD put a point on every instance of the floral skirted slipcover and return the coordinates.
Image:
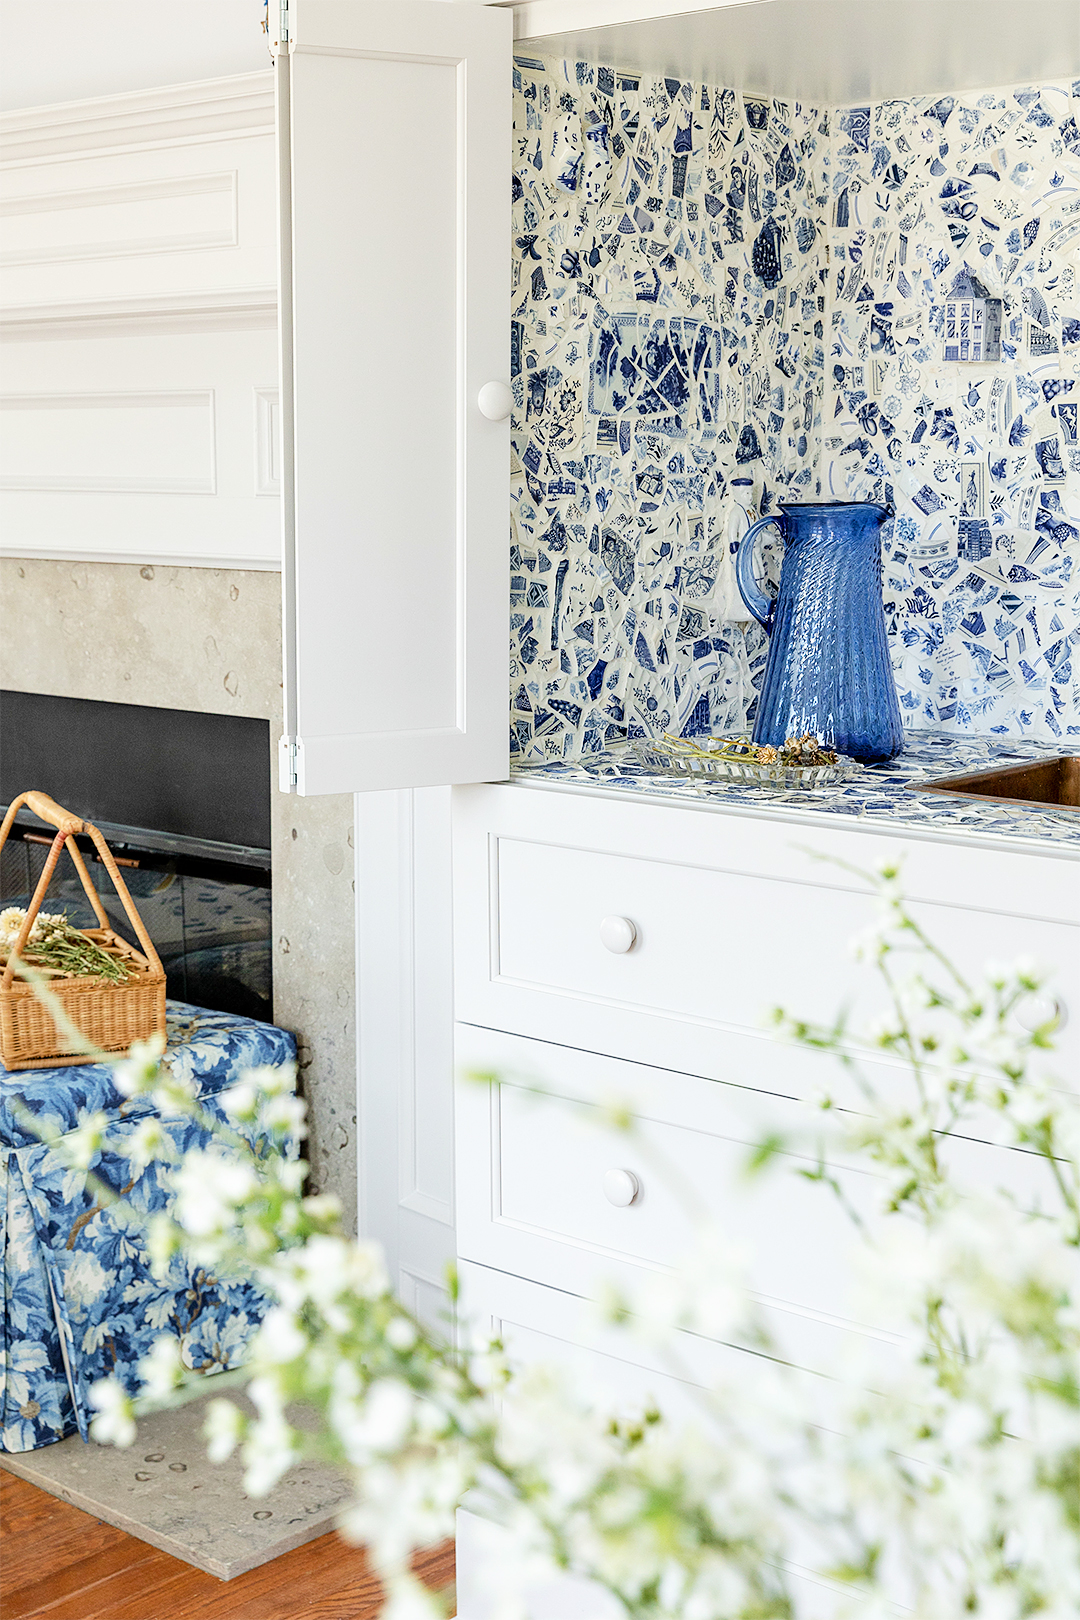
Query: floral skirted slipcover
(80, 1299)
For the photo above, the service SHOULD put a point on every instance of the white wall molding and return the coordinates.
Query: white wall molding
(228, 309)
(267, 441)
(174, 115)
(104, 461)
(404, 1032)
(426, 1296)
(121, 221)
(119, 442)
(137, 220)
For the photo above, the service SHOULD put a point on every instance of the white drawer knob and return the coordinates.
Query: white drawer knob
(495, 401)
(617, 934)
(621, 1187)
(1035, 1012)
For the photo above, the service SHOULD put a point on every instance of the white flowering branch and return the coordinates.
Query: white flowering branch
(947, 1475)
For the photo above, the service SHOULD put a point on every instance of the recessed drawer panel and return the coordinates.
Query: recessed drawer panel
(695, 943)
(549, 1189)
(666, 934)
(619, 1374)
(563, 1175)
(715, 946)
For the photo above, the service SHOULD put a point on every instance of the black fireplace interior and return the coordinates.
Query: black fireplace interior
(183, 800)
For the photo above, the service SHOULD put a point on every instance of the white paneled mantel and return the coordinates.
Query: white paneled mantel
(138, 314)
(169, 191)
(170, 115)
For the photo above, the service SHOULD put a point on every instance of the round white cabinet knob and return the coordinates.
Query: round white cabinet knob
(621, 1187)
(617, 934)
(495, 401)
(1035, 1012)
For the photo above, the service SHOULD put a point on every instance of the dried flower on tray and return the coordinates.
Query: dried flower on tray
(804, 750)
(801, 762)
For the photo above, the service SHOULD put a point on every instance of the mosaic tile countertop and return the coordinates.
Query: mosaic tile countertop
(879, 793)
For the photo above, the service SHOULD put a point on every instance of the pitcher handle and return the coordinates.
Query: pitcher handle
(761, 606)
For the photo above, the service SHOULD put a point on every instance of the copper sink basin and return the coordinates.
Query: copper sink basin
(1036, 781)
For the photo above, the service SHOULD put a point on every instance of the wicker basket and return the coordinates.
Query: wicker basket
(109, 1014)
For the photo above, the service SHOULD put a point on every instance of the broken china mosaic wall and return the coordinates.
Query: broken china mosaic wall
(668, 359)
(721, 302)
(931, 197)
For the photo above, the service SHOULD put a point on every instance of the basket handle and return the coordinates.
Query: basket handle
(47, 809)
(67, 825)
(125, 899)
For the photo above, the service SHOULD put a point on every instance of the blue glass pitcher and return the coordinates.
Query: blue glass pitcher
(828, 670)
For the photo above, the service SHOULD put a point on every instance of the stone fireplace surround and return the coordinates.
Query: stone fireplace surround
(210, 640)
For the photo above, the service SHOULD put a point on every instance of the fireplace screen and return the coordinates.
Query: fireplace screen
(183, 800)
(209, 919)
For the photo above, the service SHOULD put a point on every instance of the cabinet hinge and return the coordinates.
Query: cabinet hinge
(288, 761)
(276, 26)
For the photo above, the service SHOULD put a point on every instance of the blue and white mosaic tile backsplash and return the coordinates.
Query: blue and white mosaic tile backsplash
(722, 302)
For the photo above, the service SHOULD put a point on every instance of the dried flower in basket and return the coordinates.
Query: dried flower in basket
(55, 946)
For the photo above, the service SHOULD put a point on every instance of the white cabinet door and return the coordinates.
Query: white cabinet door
(394, 148)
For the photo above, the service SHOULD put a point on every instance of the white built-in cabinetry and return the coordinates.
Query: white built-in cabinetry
(394, 145)
(613, 950)
(730, 915)
(394, 131)
(720, 914)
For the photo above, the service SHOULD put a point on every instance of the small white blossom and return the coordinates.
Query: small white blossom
(173, 1094)
(285, 1115)
(137, 1074)
(280, 1337)
(149, 1141)
(241, 1101)
(114, 1424)
(211, 1186)
(271, 1445)
(84, 1143)
(400, 1334)
(224, 1428)
(162, 1369)
(322, 1207)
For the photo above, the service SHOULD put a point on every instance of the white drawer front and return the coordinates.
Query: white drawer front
(554, 1156)
(716, 947)
(534, 1153)
(548, 1327)
(611, 1367)
(669, 935)
(544, 1326)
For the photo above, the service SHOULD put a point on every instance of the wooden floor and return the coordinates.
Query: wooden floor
(61, 1564)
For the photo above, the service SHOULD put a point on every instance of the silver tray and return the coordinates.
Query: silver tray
(668, 759)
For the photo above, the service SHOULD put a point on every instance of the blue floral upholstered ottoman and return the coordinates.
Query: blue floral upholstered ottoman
(80, 1300)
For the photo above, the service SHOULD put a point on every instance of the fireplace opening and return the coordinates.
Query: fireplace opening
(183, 800)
